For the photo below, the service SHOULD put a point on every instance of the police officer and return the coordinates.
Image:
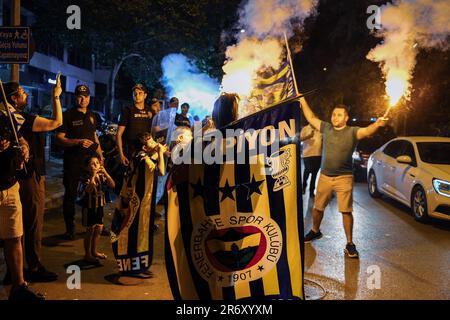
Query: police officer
(78, 136)
(134, 120)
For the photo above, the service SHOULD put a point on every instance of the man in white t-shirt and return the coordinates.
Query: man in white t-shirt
(312, 156)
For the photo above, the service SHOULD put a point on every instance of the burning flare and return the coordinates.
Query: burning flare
(244, 61)
(406, 26)
(260, 44)
(396, 86)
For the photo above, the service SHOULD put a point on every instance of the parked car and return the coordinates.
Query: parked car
(416, 172)
(365, 147)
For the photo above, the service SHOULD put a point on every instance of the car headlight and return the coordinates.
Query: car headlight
(442, 187)
(356, 156)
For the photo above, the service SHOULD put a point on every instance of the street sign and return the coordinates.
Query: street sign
(14, 45)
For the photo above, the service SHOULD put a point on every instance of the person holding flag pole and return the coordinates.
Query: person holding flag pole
(339, 141)
(32, 180)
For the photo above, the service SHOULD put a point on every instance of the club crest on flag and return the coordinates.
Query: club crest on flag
(235, 249)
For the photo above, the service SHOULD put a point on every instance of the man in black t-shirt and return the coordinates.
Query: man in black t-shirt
(32, 184)
(134, 120)
(78, 135)
(11, 226)
(182, 119)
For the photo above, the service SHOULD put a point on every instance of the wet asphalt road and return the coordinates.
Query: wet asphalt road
(411, 259)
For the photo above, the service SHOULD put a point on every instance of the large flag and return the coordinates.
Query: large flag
(18, 118)
(273, 87)
(132, 225)
(235, 230)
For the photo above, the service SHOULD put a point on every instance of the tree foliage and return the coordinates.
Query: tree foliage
(329, 51)
(153, 28)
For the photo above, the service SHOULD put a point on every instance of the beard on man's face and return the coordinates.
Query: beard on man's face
(20, 104)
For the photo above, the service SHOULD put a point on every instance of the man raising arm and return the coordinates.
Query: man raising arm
(339, 141)
(32, 181)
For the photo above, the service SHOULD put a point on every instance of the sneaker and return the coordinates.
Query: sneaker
(350, 251)
(41, 275)
(25, 293)
(313, 236)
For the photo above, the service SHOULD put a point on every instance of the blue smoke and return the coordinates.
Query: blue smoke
(182, 79)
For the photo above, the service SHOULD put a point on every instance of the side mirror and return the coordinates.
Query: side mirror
(404, 159)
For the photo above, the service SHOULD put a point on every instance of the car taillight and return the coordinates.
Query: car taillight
(356, 156)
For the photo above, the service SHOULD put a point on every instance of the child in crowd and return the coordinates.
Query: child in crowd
(92, 194)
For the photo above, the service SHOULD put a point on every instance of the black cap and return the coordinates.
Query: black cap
(82, 90)
(11, 88)
(140, 86)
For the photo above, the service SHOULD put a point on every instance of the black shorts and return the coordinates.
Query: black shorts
(92, 216)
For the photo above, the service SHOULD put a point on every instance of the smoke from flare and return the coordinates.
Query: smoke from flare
(406, 26)
(245, 59)
(261, 45)
(273, 17)
(182, 79)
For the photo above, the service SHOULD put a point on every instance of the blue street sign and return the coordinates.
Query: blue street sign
(14, 45)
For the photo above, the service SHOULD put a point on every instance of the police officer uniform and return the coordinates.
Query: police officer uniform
(76, 125)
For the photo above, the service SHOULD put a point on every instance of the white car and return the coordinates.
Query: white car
(414, 171)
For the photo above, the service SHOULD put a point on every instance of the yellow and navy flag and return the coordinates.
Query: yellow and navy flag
(18, 118)
(274, 86)
(235, 230)
(131, 228)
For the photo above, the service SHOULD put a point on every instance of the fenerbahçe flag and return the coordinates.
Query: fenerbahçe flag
(274, 86)
(18, 118)
(235, 231)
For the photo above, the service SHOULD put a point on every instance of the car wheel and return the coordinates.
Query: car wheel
(372, 184)
(419, 204)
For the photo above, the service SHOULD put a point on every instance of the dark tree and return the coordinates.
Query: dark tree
(137, 34)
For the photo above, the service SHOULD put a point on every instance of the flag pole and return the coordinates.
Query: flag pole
(290, 62)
